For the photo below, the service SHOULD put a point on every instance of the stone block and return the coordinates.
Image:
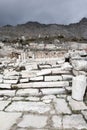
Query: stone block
(7, 81)
(53, 78)
(43, 84)
(5, 85)
(53, 91)
(44, 72)
(39, 78)
(24, 80)
(27, 92)
(9, 93)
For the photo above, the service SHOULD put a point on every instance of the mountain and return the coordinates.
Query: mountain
(35, 29)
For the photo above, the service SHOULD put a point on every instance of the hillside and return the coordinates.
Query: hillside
(35, 29)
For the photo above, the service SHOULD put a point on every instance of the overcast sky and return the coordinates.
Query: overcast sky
(44, 11)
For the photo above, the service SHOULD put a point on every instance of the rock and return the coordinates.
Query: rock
(34, 121)
(7, 120)
(61, 106)
(75, 121)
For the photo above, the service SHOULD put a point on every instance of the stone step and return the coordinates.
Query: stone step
(42, 84)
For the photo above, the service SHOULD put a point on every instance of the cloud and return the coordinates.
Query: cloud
(44, 11)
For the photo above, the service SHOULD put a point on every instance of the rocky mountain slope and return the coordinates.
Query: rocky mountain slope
(35, 29)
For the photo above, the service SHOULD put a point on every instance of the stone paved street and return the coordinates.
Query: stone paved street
(50, 112)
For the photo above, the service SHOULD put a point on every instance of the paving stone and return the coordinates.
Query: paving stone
(61, 106)
(3, 104)
(5, 85)
(85, 114)
(49, 91)
(53, 78)
(75, 121)
(8, 119)
(38, 107)
(34, 121)
(7, 93)
(43, 84)
(57, 122)
(77, 105)
(27, 92)
(39, 78)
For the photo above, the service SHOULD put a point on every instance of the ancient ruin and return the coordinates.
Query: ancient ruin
(36, 86)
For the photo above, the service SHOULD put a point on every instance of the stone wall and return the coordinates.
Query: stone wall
(44, 76)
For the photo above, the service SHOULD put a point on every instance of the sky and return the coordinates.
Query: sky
(44, 11)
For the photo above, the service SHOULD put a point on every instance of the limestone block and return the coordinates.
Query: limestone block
(49, 91)
(67, 77)
(27, 92)
(39, 78)
(24, 80)
(44, 72)
(9, 93)
(53, 78)
(43, 84)
(7, 81)
(78, 87)
(5, 85)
